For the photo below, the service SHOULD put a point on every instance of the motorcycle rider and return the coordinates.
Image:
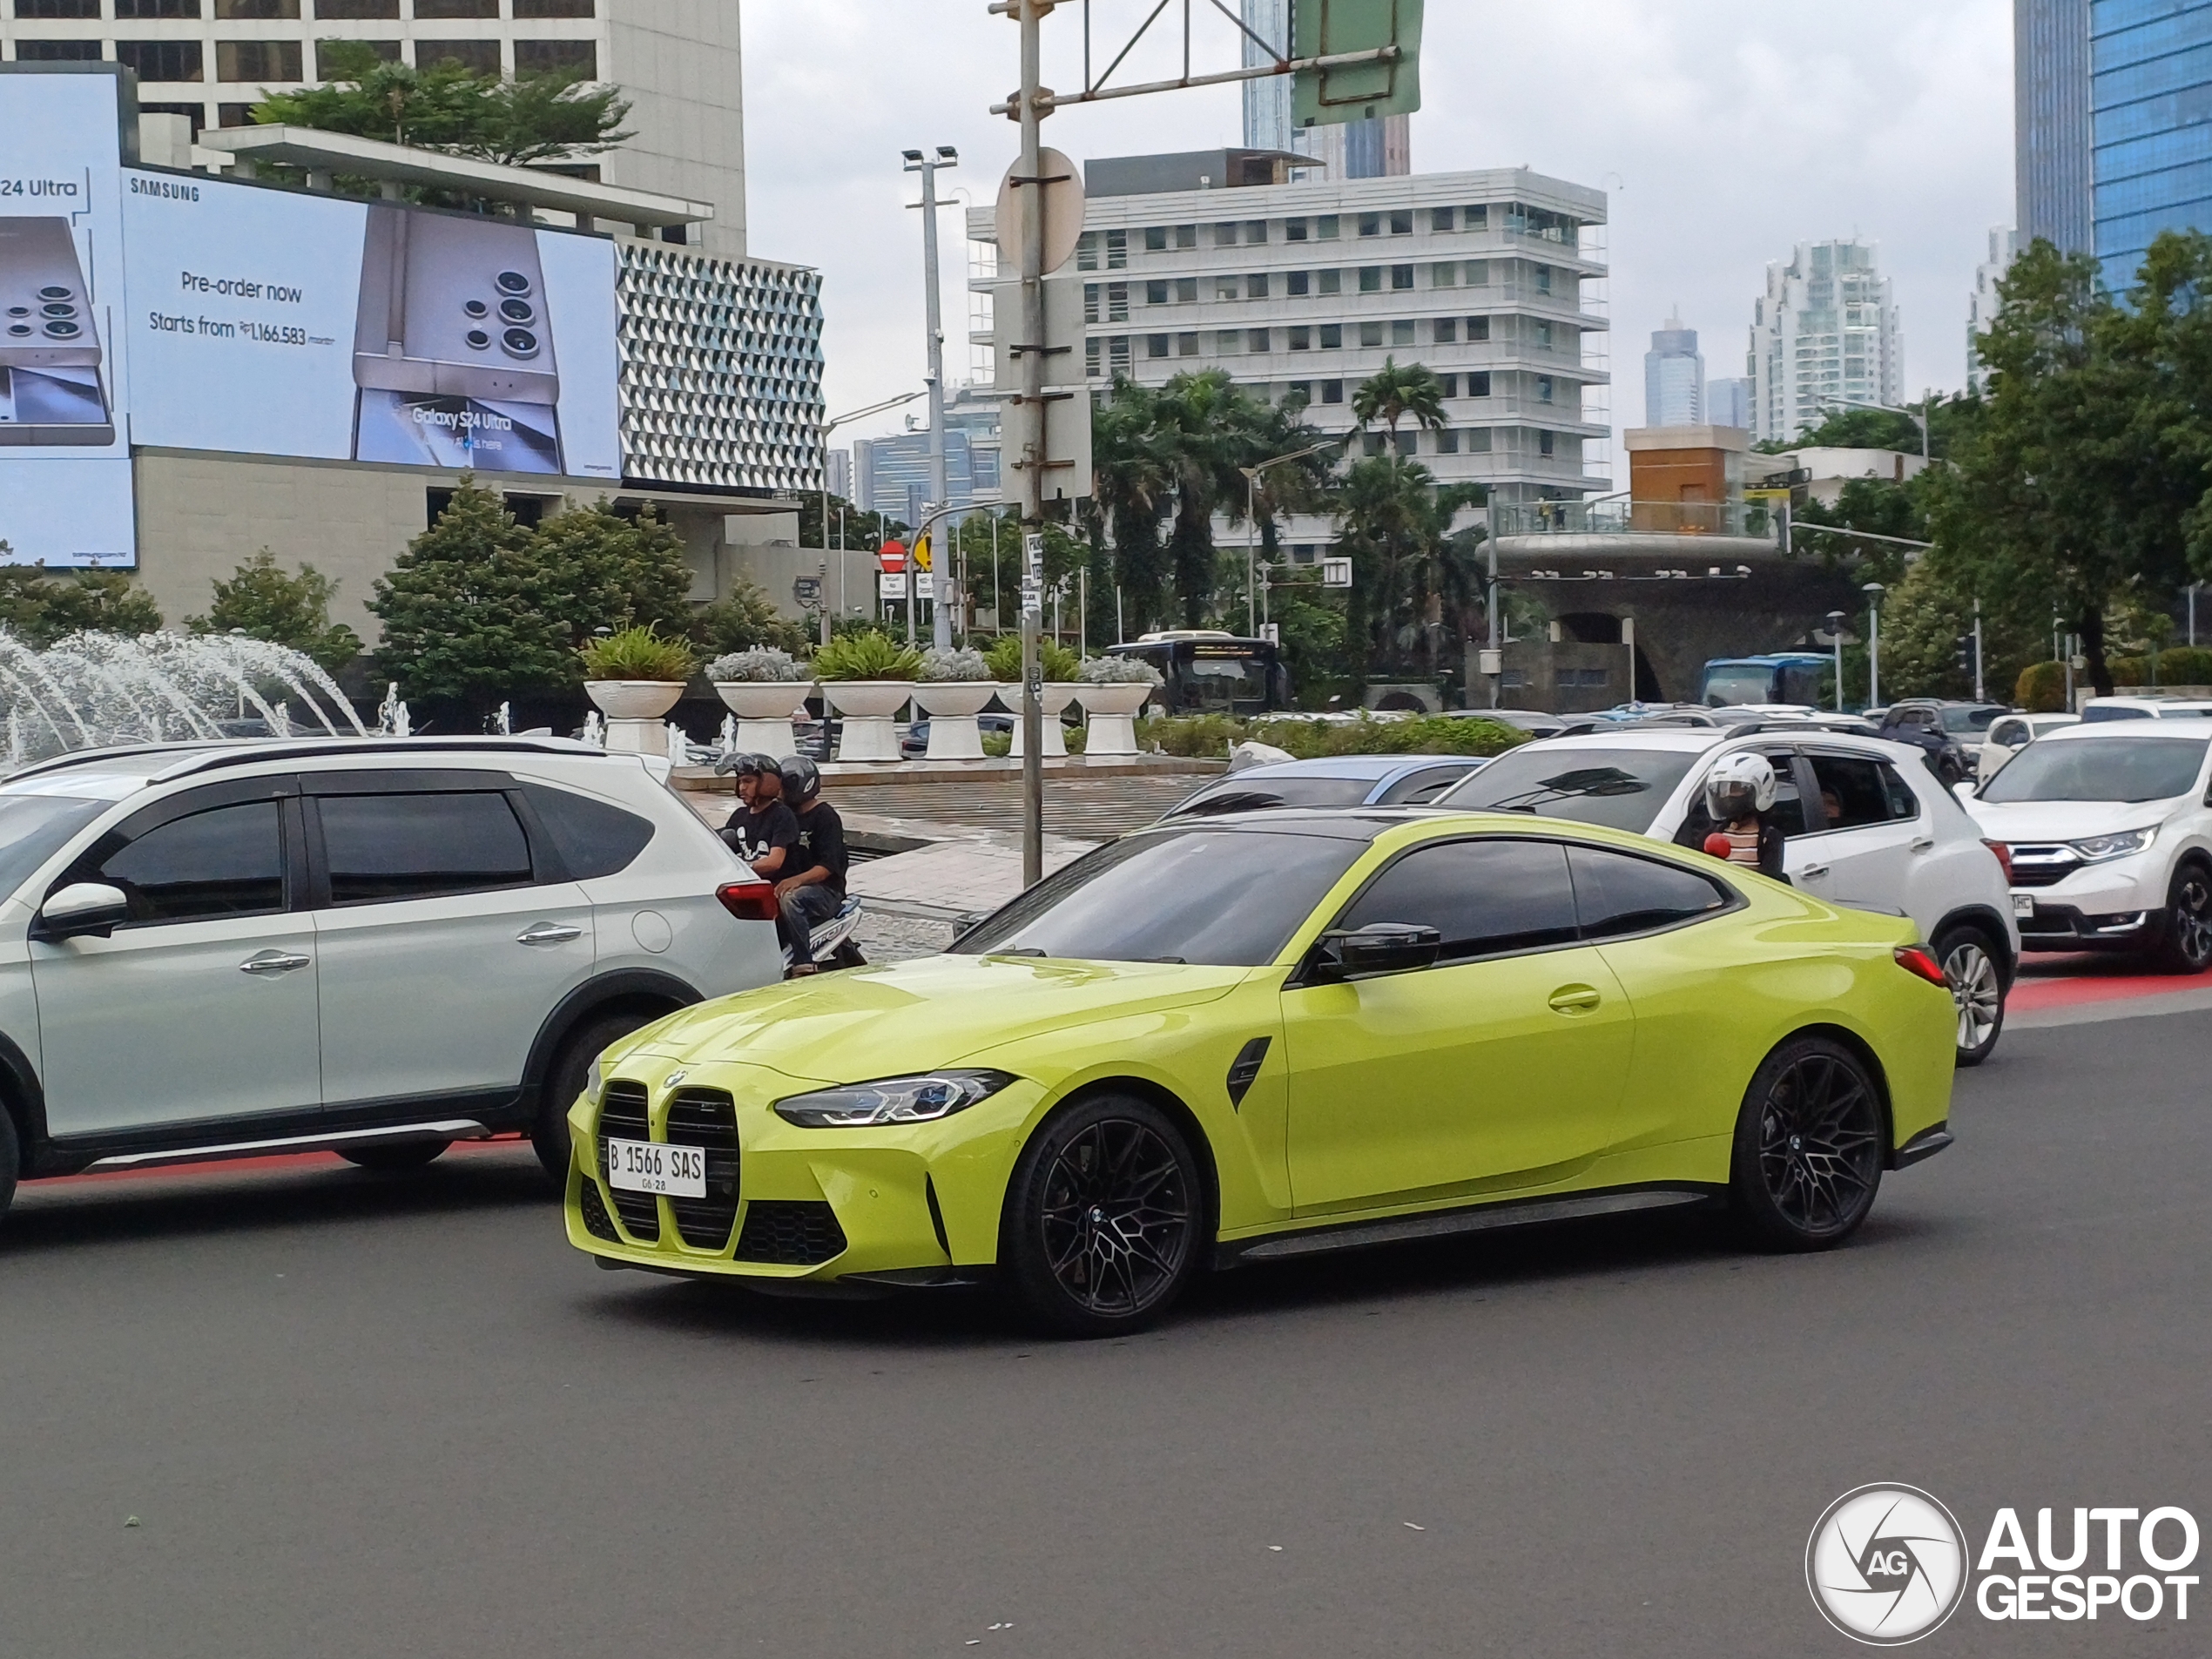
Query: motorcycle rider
(814, 890)
(1738, 823)
(761, 829)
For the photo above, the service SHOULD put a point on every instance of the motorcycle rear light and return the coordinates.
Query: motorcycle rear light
(748, 900)
(2003, 858)
(1914, 958)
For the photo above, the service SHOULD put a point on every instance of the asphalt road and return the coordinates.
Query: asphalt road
(361, 1415)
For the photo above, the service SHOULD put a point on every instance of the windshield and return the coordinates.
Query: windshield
(2129, 769)
(33, 829)
(1743, 682)
(1621, 788)
(1239, 797)
(1966, 722)
(1221, 897)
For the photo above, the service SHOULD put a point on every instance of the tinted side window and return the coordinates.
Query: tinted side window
(1422, 787)
(1617, 893)
(1788, 812)
(592, 838)
(1484, 896)
(226, 861)
(1902, 802)
(383, 848)
(1853, 793)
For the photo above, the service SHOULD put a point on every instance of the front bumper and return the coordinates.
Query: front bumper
(2119, 905)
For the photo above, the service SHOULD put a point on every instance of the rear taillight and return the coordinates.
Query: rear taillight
(1914, 958)
(2003, 858)
(748, 900)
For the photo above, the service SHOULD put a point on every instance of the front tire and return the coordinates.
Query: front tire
(1977, 990)
(1103, 1218)
(2186, 945)
(396, 1158)
(564, 1082)
(1808, 1150)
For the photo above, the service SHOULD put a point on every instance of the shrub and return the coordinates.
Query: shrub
(1212, 735)
(2183, 665)
(637, 654)
(2042, 689)
(1004, 659)
(998, 745)
(765, 663)
(870, 655)
(1117, 670)
(963, 664)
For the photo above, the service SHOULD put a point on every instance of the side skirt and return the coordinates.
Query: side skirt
(462, 1116)
(1359, 1235)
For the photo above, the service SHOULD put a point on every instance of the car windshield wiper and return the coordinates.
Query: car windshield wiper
(1573, 785)
(1026, 950)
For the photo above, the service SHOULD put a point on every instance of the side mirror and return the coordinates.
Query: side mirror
(1379, 948)
(79, 910)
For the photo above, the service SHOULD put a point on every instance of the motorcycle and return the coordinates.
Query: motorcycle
(832, 940)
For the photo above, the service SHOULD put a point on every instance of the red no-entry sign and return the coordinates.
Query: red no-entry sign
(892, 556)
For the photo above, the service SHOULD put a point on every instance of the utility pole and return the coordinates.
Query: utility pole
(1031, 450)
(1835, 620)
(940, 632)
(1873, 592)
(1980, 696)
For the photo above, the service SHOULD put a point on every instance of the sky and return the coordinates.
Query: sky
(1724, 131)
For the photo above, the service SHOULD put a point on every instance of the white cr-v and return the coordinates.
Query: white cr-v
(1866, 823)
(375, 947)
(2110, 827)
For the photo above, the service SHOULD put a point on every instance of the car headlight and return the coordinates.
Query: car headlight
(920, 1099)
(2097, 848)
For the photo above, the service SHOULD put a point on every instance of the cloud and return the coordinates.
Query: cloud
(1724, 131)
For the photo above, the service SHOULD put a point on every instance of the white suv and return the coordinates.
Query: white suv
(375, 947)
(2111, 838)
(1866, 824)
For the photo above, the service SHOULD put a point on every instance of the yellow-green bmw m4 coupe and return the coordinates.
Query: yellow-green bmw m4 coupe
(1256, 1037)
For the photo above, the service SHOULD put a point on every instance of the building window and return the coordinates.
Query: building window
(1332, 336)
(1228, 288)
(160, 60)
(1156, 238)
(1332, 391)
(1256, 339)
(1224, 236)
(57, 8)
(1371, 279)
(1448, 443)
(1544, 336)
(1155, 345)
(1544, 444)
(1370, 224)
(355, 9)
(1543, 388)
(1091, 365)
(1255, 232)
(1304, 553)
(1371, 443)
(158, 9)
(234, 115)
(476, 8)
(1440, 218)
(1544, 278)
(537, 9)
(1445, 275)
(1186, 345)
(1477, 273)
(581, 58)
(1447, 331)
(1186, 236)
(1294, 230)
(477, 57)
(1327, 228)
(1479, 440)
(1299, 392)
(1478, 330)
(1117, 354)
(1186, 290)
(1256, 286)
(1450, 383)
(256, 10)
(1401, 332)
(1401, 222)
(1370, 334)
(1409, 443)
(1477, 219)
(1087, 251)
(1230, 341)
(1401, 277)
(1479, 383)
(387, 52)
(1331, 281)
(195, 114)
(1156, 293)
(1301, 338)
(1117, 302)
(57, 51)
(1297, 284)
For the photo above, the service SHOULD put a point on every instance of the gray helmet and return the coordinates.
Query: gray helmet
(802, 778)
(744, 764)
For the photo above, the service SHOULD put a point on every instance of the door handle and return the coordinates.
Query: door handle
(548, 932)
(1812, 870)
(1575, 998)
(271, 961)
(1923, 844)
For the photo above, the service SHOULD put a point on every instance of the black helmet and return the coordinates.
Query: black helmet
(802, 778)
(745, 765)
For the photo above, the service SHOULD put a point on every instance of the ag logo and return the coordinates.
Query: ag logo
(1887, 1565)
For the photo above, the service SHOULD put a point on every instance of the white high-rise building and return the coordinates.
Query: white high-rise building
(1981, 305)
(1381, 148)
(1827, 330)
(211, 60)
(1674, 377)
(1728, 403)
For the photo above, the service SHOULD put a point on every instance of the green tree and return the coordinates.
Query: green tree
(1396, 528)
(1391, 394)
(745, 620)
(263, 601)
(612, 570)
(39, 608)
(471, 610)
(1133, 485)
(865, 530)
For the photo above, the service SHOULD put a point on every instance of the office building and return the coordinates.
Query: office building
(1380, 148)
(891, 474)
(1674, 377)
(1825, 336)
(838, 476)
(2151, 122)
(209, 60)
(2051, 123)
(1981, 305)
(1728, 403)
(1306, 288)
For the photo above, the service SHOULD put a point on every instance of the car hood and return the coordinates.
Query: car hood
(933, 1011)
(2064, 820)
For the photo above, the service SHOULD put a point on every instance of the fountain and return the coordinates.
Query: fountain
(392, 720)
(594, 730)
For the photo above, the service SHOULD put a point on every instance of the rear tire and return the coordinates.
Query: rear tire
(564, 1082)
(1809, 1147)
(1977, 990)
(398, 1157)
(1104, 1217)
(2187, 945)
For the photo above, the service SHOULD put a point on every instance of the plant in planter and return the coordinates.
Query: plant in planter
(868, 678)
(1112, 690)
(955, 687)
(767, 690)
(635, 674)
(1060, 665)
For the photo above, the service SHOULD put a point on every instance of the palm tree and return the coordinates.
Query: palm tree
(1391, 394)
(1130, 485)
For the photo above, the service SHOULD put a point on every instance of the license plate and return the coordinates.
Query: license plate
(2022, 905)
(654, 1166)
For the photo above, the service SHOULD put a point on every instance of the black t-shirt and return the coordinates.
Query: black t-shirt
(821, 840)
(754, 834)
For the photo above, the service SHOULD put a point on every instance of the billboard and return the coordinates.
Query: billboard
(267, 322)
(64, 444)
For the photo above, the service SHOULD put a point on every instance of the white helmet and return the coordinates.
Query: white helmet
(1739, 786)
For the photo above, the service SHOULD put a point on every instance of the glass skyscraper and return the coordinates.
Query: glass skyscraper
(2151, 95)
(2051, 122)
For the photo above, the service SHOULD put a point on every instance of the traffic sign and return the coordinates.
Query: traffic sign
(922, 551)
(1064, 209)
(806, 591)
(1336, 573)
(892, 556)
(1355, 91)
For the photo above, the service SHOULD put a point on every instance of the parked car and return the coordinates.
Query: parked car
(1921, 722)
(1338, 780)
(2009, 734)
(2144, 706)
(375, 947)
(1463, 1021)
(913, 740)
(1863, 825)
(1965, 724)
(2110, 838)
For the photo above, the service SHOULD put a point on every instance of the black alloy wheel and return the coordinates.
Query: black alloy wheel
(393, 1157)
(2186, 945)
(1809, 1147)
(1102, 1219)
(1977, 990)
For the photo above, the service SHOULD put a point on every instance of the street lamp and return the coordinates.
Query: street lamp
(829, 427)
(1835, 619)
(942, 620)
(1917, 416)
(1251, 518)
(1873, 590)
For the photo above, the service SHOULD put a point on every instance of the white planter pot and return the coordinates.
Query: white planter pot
(1112, 708)
(1053, 699)
(634, 699)
(869, 708)
(952, 706)
(765, 710)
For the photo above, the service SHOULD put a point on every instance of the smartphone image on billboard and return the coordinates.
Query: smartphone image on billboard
(50, 391)
(453, 349)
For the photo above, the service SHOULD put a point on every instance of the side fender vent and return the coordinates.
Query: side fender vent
(1242, 1073)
